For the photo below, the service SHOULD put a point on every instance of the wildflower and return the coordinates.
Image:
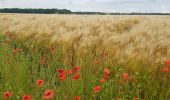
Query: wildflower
(167, 62)
(35, 50)
(26, 97)
(7, 95)
(52, 50)
(102, 80)
(97, 89)
(40, 83)
(10, 35)
(165, 69)
(106, 73)
(126, 76)
(136, 98)
(60, 71)
(76, 76)
(16, 50)
(97, 62)
(6, 42)
(62, 77)
(9, 61)
(77, 98)
(68, 72)
(48, 94)
(76, 69)
(117, 98)
(42, 61)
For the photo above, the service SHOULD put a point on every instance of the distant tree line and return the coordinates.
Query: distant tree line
(65, 11)
(37, 11)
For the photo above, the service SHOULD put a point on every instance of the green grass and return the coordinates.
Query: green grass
(20, 71)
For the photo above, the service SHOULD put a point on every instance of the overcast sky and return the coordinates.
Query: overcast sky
(93, 5)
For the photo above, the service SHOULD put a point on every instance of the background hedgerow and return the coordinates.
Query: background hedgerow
(114, 51)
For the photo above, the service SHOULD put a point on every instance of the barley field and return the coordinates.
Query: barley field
(84, 57)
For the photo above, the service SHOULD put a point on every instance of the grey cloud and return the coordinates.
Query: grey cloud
(93, 5)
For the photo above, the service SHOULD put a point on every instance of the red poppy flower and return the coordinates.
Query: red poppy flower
(167, 62)
(60, 71)
(68, 72)
(106, 73)
(9, 34)
(48, 94)
(62, 77)
(52, 50)
(77, 98)
(26, 97)
(6, 42)
(126, 76)
(35, 49)
(7, 95)
(16, 50)
(42, 61)
(76, 69)
(165, 70)
(136, 98)
(117, 98)
(9, 61)
(97, 89)
(102, 80)
(96, 61)
(40, 83)
(76, 76)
